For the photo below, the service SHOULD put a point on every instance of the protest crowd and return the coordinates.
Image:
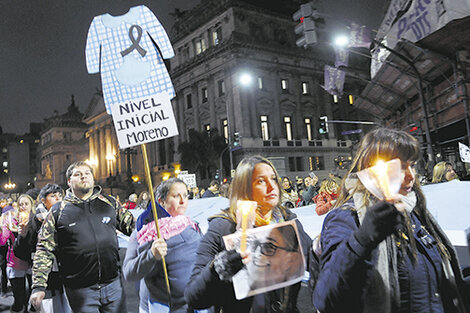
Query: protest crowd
(60, 253)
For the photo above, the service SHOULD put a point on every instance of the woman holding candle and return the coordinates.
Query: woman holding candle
(386, 256)
(257, 180)
(180, 238)
(17, 270)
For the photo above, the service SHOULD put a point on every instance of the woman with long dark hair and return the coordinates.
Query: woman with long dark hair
(386, 256)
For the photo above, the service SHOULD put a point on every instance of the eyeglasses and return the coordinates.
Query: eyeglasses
(268, 248)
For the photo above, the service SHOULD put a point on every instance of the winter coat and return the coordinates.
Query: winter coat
(308, 194)
(205, 289)
(82, 235)
(7, 237)
(348, 280)
(140, 264)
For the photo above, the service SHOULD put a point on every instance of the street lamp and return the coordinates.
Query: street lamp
(9, 186)
(110, 158)
(341, 41)
(244, 79)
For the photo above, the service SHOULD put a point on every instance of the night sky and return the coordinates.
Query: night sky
(42, 50)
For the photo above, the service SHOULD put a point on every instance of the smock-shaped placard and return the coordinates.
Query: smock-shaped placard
(128, 51)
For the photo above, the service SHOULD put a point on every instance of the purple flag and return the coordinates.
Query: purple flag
(342, 56)
(359, 36)
(334, 80)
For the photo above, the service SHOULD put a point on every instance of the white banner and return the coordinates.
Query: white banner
(144, 120)
(413, 20)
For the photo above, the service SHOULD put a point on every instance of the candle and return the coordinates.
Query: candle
(380, 169)
(23, 217)
(245, 208)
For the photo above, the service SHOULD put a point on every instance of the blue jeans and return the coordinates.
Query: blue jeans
(109, 298)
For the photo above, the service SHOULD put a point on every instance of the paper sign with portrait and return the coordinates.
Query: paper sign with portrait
(276, 259)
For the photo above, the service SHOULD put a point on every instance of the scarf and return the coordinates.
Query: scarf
(274, 216)
(381, 297)
(169, 227)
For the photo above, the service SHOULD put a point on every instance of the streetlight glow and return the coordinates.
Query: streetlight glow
(245, 79)
(341, 41)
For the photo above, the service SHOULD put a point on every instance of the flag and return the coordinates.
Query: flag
(334, 80)
(342, 56)
(359, 36)
(464, 153)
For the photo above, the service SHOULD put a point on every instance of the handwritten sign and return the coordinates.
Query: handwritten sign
(189, 179)
(143, 120)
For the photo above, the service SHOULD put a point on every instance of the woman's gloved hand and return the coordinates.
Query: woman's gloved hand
(380, 221)
(227, 264)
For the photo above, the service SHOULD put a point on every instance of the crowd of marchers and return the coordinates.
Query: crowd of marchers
(59, 250)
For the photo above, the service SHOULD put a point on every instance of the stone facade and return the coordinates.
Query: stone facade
(277, 114)
(62, 143)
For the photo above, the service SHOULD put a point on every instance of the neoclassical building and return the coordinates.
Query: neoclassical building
(237, 69)
(117, 171)
(62, 143)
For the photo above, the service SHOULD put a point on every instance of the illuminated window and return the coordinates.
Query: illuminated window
(308, 128)
(288, 126)
(216, 36)
(264, 127)
(316, 163)
(335, 98)
(284, 85)
(225, 129)
(260, 82)
(199, 45)
(305, 88)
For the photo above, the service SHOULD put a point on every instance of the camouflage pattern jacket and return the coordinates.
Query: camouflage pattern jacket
(82, 236)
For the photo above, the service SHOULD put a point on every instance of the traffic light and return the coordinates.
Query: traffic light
(217, 174)
(306, 27)
(236, 139)
(323, 125)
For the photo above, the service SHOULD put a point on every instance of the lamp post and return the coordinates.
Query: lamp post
(110, 158)
(244, 79)
(9, 186)
(111, 180)
(342, 41)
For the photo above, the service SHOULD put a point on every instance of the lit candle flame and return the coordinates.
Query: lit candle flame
(381, 169)
(245, 207)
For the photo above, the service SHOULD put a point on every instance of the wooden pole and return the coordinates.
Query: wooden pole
(155, 215)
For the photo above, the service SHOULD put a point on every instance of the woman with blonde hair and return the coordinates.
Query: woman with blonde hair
(443, 172)
(386, 255)
(17, 270)
(210, 284)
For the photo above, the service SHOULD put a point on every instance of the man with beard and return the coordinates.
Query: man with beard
(80, 231)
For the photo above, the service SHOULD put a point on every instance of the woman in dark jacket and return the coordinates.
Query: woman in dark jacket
(386, 256)
(255, 179)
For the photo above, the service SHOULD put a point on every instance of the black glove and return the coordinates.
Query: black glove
(227, 264)
(380, 221)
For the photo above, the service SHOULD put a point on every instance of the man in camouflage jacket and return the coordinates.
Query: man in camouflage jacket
(81, 232)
